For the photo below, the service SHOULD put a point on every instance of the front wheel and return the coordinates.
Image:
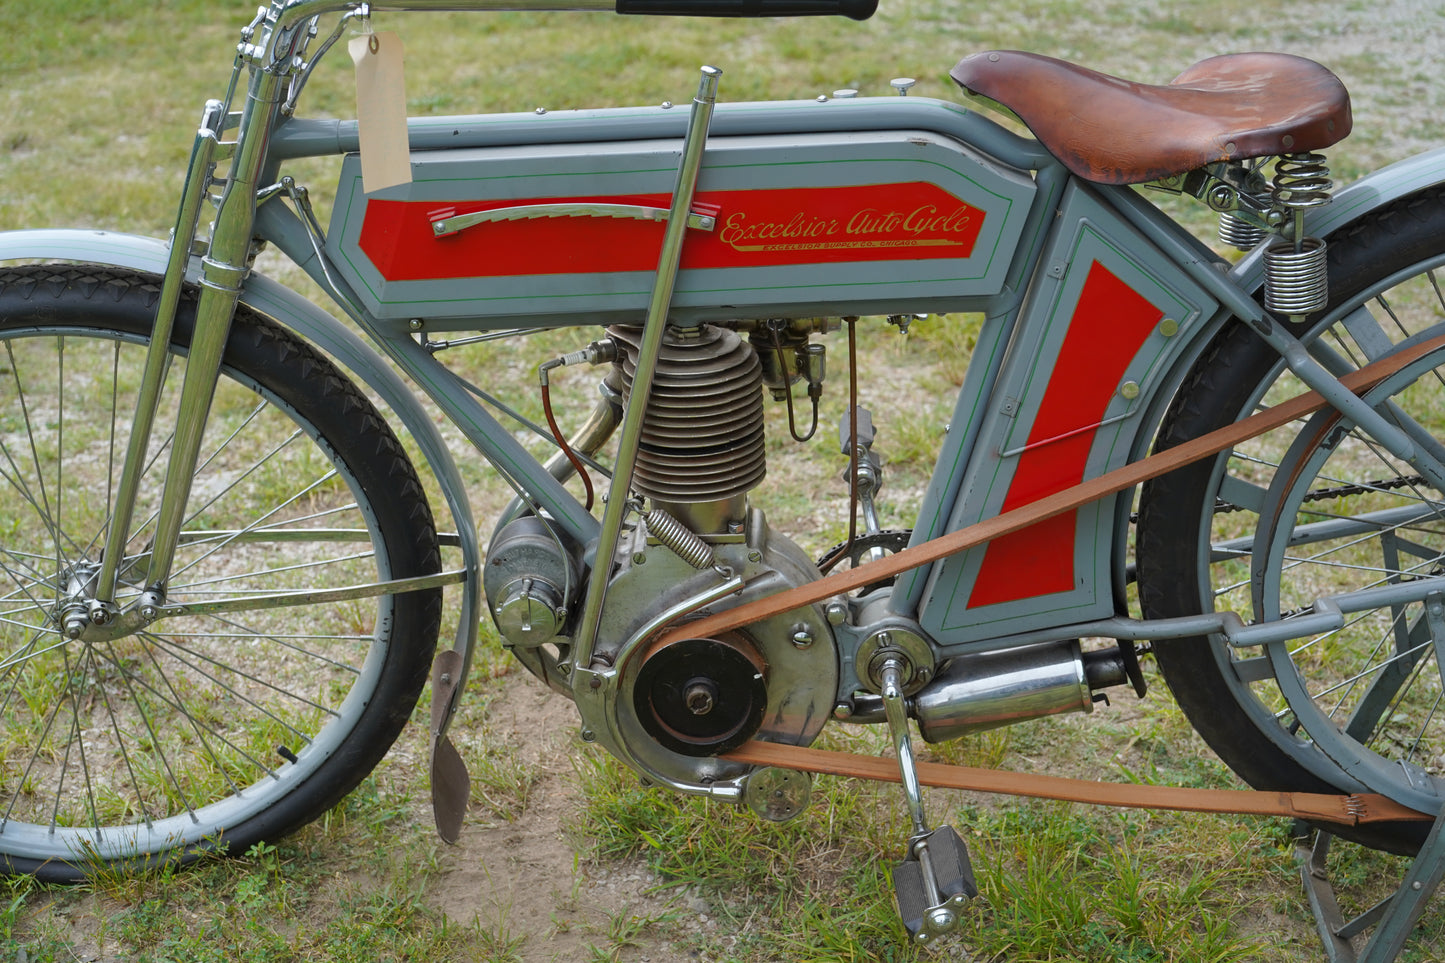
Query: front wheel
(1316, 509)
(131, 747)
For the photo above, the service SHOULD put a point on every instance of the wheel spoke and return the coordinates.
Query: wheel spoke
(123, 746)
(1313, 510)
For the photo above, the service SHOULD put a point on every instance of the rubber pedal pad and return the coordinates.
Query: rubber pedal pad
(952, 868)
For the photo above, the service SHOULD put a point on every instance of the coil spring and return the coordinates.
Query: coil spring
(1301, 181)
(687, 545)
(1296, 281)
(1239, 233)
(1295, 278)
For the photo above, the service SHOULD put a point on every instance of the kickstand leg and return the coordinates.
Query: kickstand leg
(1393, 918)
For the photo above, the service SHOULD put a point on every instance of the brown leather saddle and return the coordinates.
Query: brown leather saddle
(1115, 131)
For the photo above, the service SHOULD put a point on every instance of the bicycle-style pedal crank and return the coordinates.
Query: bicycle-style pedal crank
(935, 878)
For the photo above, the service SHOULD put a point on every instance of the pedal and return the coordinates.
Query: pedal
(941, 858)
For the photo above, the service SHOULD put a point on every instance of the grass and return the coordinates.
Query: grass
(97, 100)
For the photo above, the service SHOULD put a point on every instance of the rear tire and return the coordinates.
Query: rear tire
(1359, 709)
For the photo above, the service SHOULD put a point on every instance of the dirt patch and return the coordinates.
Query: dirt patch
(523, 878)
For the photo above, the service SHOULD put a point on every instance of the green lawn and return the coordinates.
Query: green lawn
(564, 855)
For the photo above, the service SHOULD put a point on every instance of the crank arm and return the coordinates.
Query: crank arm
(935, 879)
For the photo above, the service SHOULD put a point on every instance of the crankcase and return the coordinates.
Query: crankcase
(679, 705)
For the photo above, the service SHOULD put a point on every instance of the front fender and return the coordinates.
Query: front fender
(1369, 193)
(290, 309)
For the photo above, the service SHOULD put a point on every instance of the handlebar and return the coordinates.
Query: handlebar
(296, 10)
(856, 9)
(290, 13)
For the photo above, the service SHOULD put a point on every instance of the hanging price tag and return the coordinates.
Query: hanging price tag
(381, 110)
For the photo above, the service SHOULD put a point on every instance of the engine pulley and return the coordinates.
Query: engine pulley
(701, 697)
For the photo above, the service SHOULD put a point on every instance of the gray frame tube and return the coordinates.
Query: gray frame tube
(279, 225)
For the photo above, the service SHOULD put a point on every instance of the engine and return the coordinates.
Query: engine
(693, 546)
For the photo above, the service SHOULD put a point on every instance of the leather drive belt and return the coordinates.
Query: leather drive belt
(1316, 807)
(1340, 809)
(1067, 500)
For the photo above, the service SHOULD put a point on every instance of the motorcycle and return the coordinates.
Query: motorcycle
(1232, 464)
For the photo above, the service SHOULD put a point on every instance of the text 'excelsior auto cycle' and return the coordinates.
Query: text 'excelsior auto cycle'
(219, 633)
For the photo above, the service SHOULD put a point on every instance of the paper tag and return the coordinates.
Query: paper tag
(381, 110)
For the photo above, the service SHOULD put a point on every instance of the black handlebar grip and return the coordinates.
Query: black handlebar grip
(856, 9)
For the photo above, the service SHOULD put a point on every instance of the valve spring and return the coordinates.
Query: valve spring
(678, 537)
(1239, 233)
(702, 440)
(1295, 278)
(1301, 181)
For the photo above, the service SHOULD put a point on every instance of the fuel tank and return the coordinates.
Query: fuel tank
(819, 223)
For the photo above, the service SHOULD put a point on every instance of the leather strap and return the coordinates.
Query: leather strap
(1009, 522)
(1318, 807)
(1349, 810)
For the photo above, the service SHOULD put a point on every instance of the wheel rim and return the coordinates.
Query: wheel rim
(1369, 694)
(166, 738)
(1300, 699)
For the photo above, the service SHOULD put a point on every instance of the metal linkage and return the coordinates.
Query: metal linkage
(1393, 918)
(935, 878)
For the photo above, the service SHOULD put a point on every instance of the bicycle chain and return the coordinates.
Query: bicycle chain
(1222, 507)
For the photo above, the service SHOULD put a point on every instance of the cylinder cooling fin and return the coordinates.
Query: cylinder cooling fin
(702, 439)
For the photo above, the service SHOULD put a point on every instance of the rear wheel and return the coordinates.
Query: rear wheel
(1315, 509)
(138, 743)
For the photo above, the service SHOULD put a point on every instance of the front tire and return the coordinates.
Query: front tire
(204, 732)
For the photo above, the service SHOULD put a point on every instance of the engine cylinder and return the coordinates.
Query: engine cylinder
(702, 440)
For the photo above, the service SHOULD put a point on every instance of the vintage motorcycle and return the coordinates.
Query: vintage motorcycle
(222, 581)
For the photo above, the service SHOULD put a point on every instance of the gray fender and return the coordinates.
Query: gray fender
(1367, 194)
(310, 322)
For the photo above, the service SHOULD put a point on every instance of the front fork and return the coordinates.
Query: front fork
(223, 272)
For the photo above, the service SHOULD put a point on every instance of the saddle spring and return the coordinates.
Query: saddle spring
(1296, 277)
(1239, 233)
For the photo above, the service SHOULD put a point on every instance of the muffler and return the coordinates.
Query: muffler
(976, 692)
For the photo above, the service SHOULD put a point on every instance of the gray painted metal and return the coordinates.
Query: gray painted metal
(826, 273)
(1091, 235)
(309, 137)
